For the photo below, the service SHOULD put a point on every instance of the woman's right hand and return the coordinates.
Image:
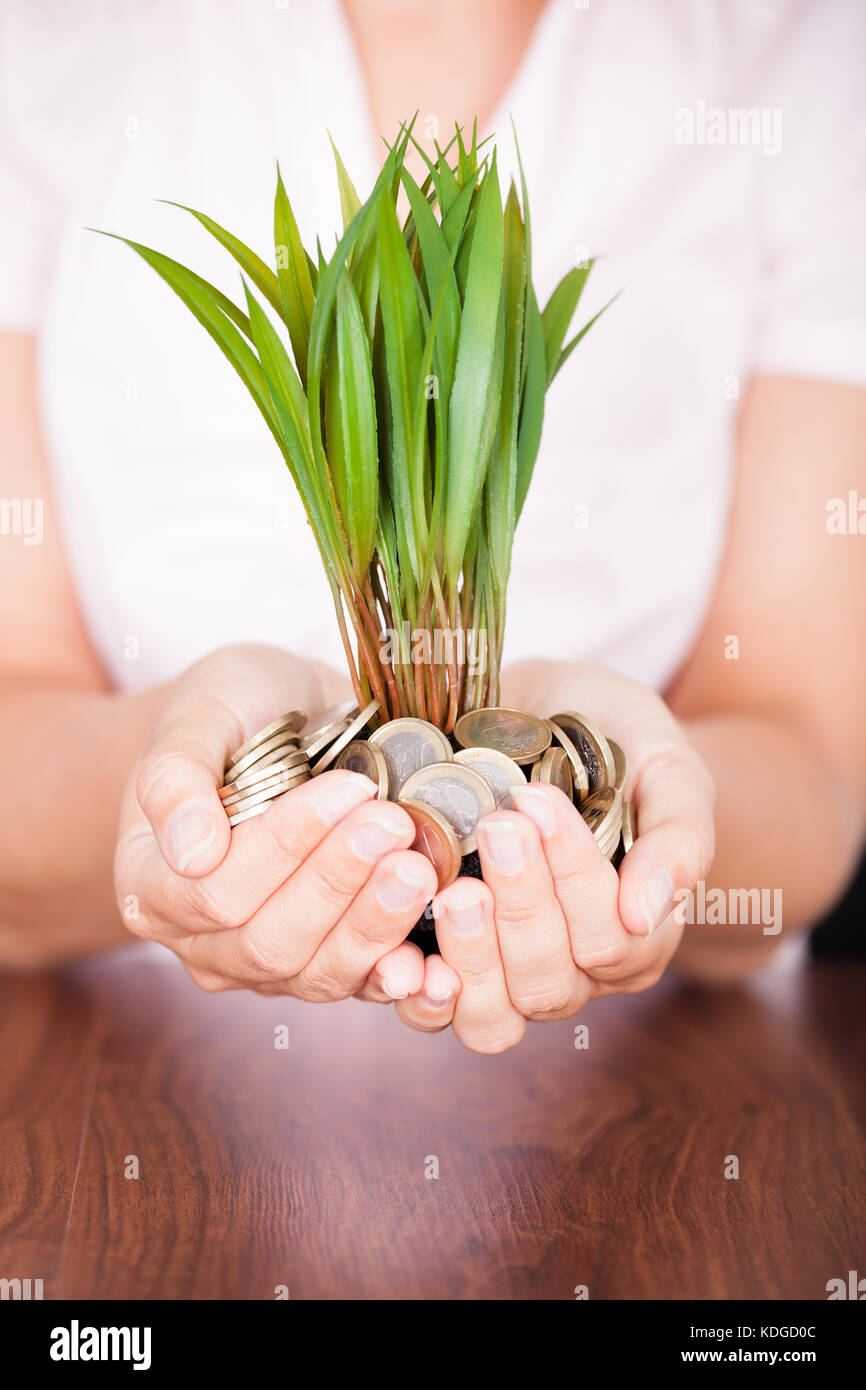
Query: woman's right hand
(308, 898)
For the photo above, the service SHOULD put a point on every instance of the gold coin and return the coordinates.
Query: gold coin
(435, 838)
(284, 759)
(407, 745)
(521, 736)
(579, 775)
(500, 772)
(291, 723)
(233, 793)
(628, 836)
(249, 813)
(352, 728)
(460, 794)
(252, 798)
(260, 751)
(554, 768)
(593, 747)
(329, 725)
(360, 756)
(620, 763)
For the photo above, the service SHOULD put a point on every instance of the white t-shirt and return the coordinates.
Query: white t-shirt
(711, 151)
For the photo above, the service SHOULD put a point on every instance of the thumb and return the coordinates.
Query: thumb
(177, 786)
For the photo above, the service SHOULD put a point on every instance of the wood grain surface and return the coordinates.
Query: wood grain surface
(557, 1167)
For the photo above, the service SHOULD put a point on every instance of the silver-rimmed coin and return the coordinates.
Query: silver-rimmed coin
(361, 756)
(435, 838)
(273, 784)
(620, 763)
(500, 772)
(520, 735)
(459, 793)
(269, 793)
(628, 835)
(284, 759)
(580, 778)
(290, 723)
(352, 729)
(602, 811)
(409, 744)
(594, 749)
(329, 725)
(554, 768)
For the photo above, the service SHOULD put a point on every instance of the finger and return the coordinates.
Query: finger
(431, 1008)
(399, 973)
(178, 779)
(586, 885)
(263, 855)
(485, 1020)
(283, 936)
(379, 919)
(674, 797)
(543, 981)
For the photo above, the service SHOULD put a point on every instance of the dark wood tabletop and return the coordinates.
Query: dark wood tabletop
(558, 1167)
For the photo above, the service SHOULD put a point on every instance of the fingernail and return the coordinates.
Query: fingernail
(655, 898)
(394, 990)
(375, 838)
(339, 797)
(437, 1001)
(504, 844)
(464, 919)
(191, 830)
(531, 802)
(399, 888)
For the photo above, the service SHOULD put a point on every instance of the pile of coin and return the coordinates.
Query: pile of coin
(445, 784)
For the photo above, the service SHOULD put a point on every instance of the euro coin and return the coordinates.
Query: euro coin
(283, 759)
(260, 751)
(270, 793)
(461, 795)
(361, 756)
(500, 772)
(620, 763)
(352, 729)
(602, 811)
(232, 794)
(627, 827)
(435, 838)
(407, 745)
(593, 747)
(290, 723)
(328, 726)
(554, 768)
(579, 775)
(521, 736)
(249, 813)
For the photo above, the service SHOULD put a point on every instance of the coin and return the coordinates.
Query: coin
(352, 728)
(620, 763)
(522, 736)
(361, 756)
(284, 759)
(249, 813)
(602, 811)
(435, 838)
(270, 784)
(328, 725)
(554, 768)
(628, 836)
(252, 798)
(500, 772)
(593, 747)
(292, 723)
(409, 744)
(578, 771)
(461, 795)
(269, 745)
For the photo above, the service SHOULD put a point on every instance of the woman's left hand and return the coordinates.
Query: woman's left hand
(554, 925)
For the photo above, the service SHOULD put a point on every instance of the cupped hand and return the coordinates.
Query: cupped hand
(313, 898)
(554, 925)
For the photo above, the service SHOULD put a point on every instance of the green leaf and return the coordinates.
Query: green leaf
(501, 483)
(350, 408)
(438, 262)
(559, 311)
(350, 203)
(252, 265)
(296, 297)
(476, 351)
(532, 404)
(569, 348)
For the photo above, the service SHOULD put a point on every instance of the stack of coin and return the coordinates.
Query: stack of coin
(268, 764)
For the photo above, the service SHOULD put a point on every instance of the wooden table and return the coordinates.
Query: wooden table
(305, 1167)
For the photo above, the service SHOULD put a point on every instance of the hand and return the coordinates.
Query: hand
(553, 925)
(305, 899)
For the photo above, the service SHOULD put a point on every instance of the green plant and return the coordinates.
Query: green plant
(408, 406)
